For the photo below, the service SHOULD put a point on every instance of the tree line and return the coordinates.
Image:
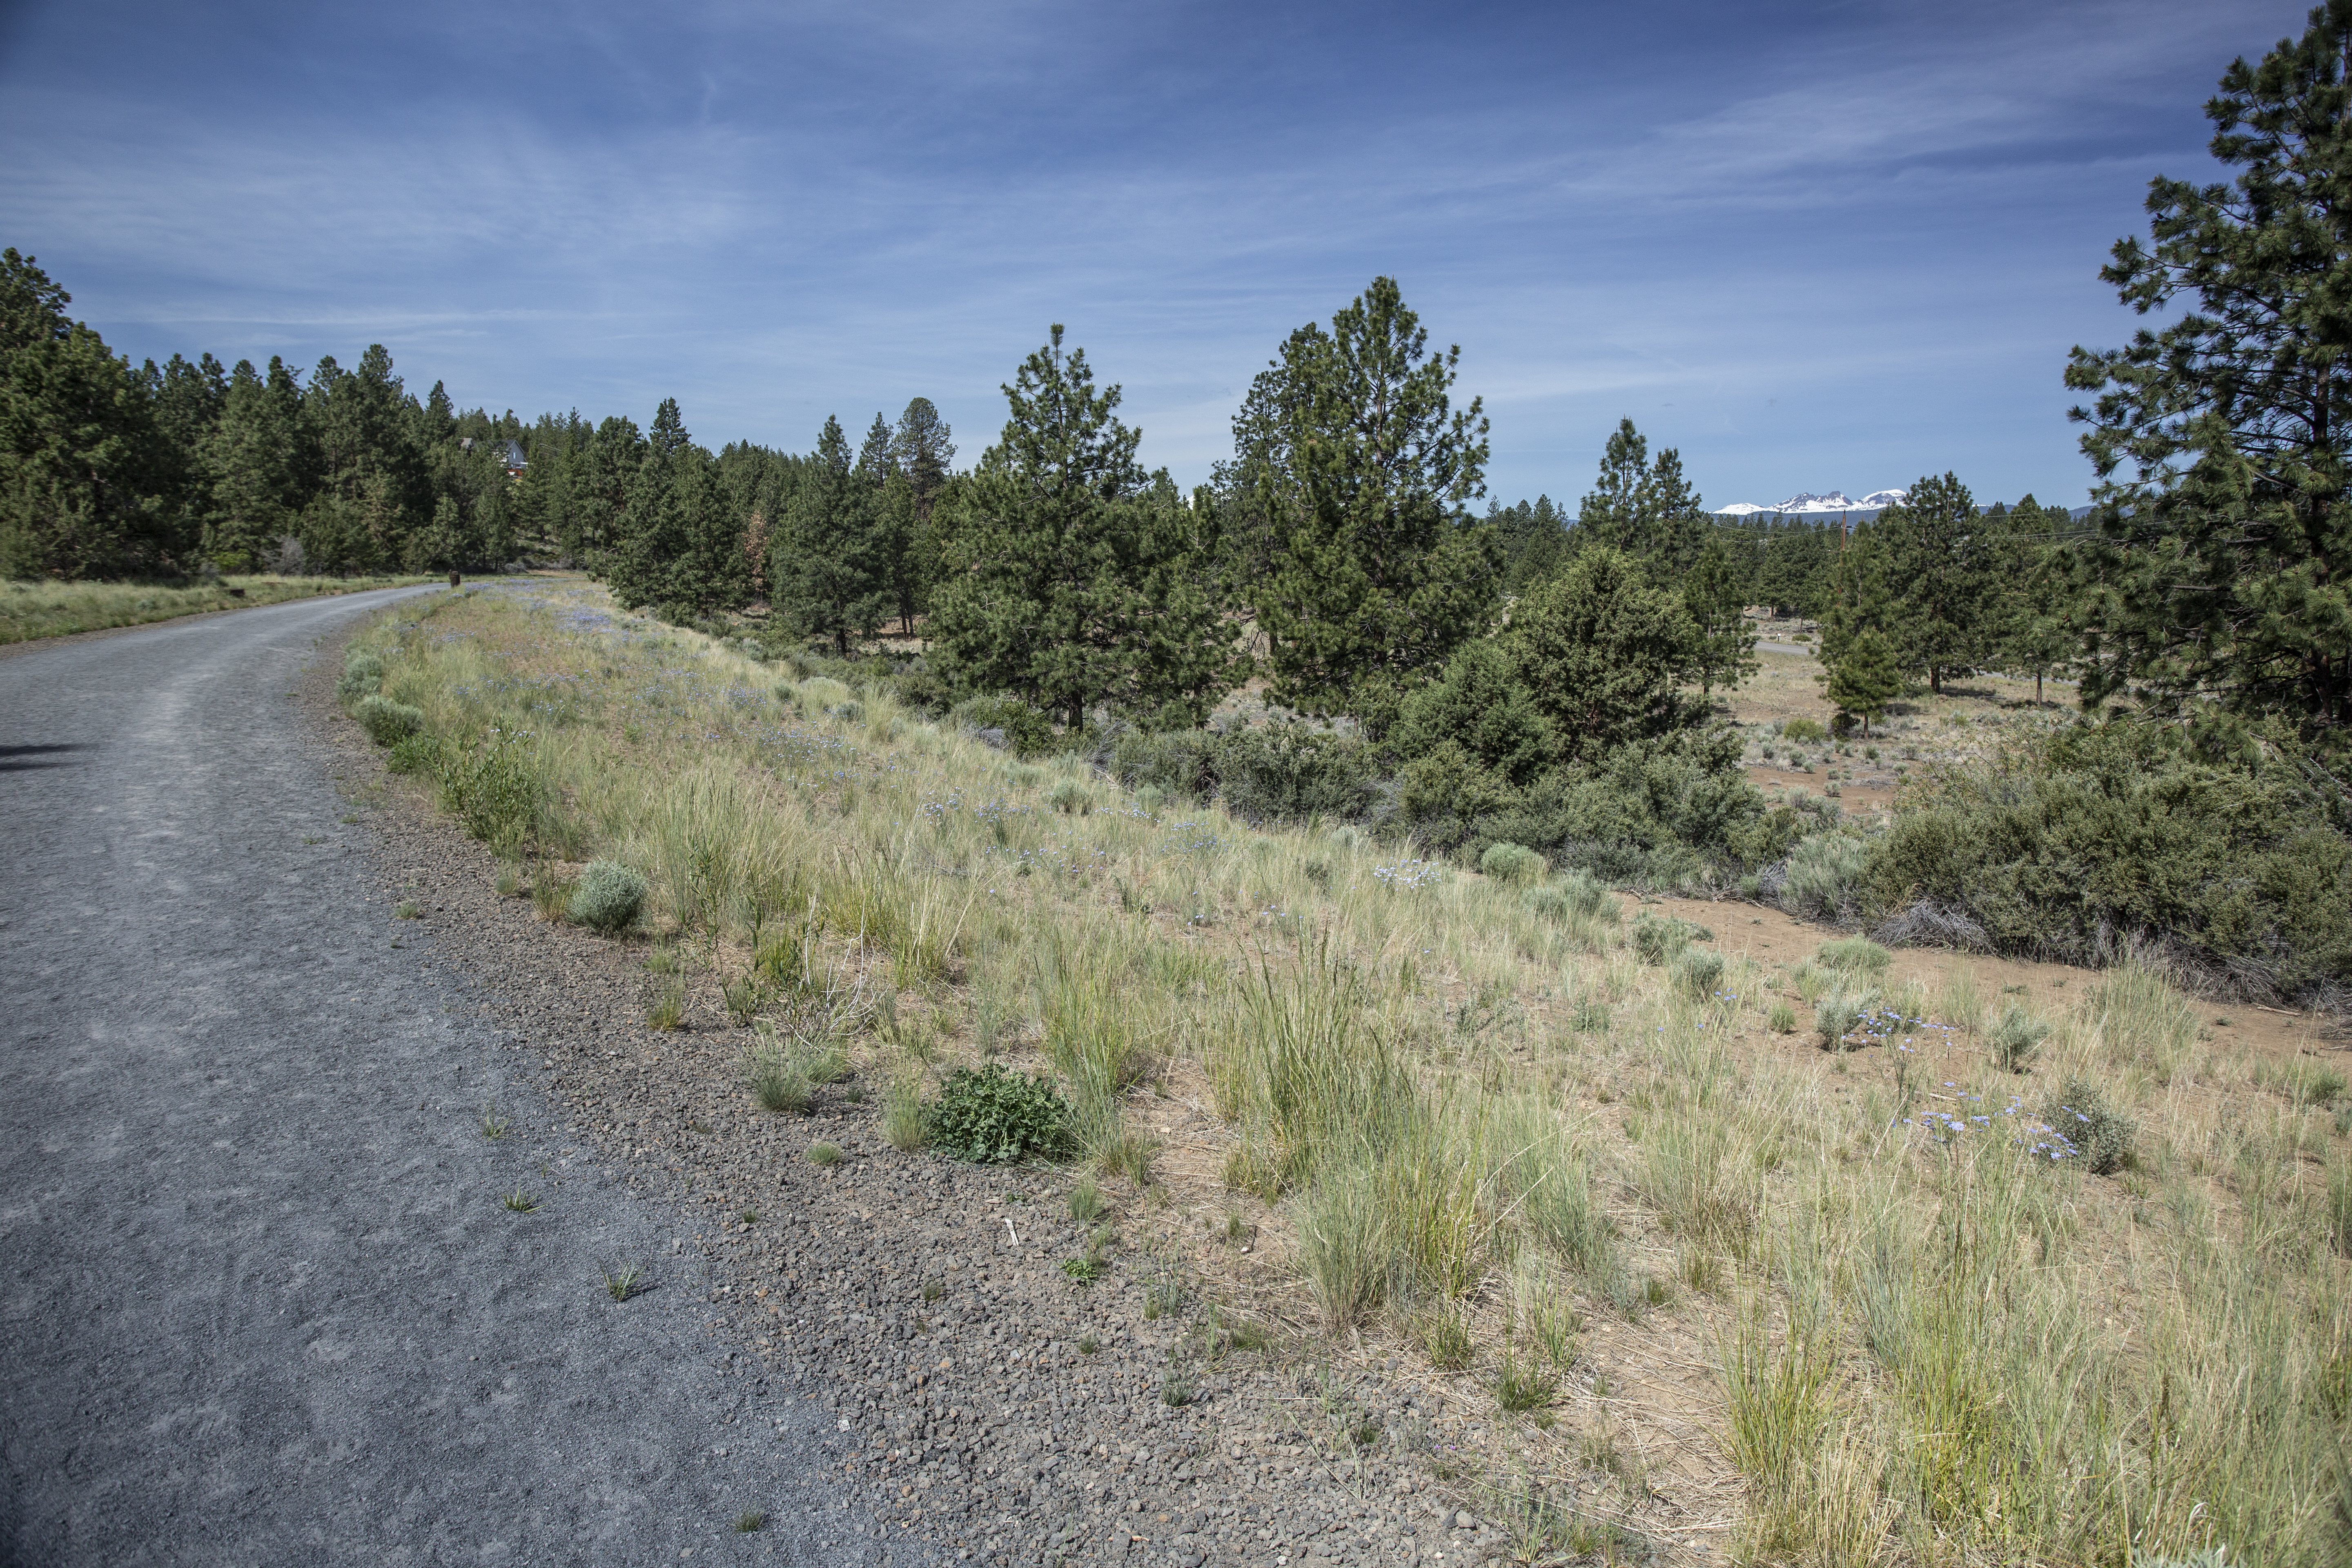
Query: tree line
(1341, 532)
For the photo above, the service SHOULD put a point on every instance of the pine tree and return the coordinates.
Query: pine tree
(664, 532)
(1376, 572)
(1859, 598)
(893, 520)
(1605, 654)
(1645, 509)
(1075, 578)
(373, 483)
(188, 401)
(1715, 591)
(2037, 592)
(923, 452)
(1938, 553)
(2223, 441)
(259, 468)
(80, 491)
(1611, 514)
(1866, 678)
(826, 576)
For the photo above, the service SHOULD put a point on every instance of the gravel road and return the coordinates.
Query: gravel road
(261, 1297)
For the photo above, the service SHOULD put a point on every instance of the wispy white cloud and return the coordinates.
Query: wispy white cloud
(1846, 241)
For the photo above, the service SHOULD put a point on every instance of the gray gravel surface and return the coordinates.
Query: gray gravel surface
(260, 1295)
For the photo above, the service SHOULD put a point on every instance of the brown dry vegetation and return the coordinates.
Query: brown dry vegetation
(1670, 1270)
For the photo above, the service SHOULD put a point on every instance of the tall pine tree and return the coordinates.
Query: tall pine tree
(826, 577)
(260, 467)
(1363, 470)
(1075, 579)
(660, 558)
(2223, 441)
(82, 491)
(1939, 555)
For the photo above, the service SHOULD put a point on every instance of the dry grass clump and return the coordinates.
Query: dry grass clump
(1485, 1135)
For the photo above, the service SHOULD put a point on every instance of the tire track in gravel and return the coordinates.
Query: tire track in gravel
(261, 1299)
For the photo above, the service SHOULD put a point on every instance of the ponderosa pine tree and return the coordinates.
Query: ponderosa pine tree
(1794, 576)
(1939, 558)
(2223, 441)
(660, 557)
(607, 472)
(826, 575)
(2034, 547)
(1860, 599)
(924, 452)
(82, 491)
(259, 463)
(1645, 509)
(1606, 653)
(894, 521)
(1866, 678)
(1363, 470)
(1715, 591)
(1075, 579)
(372, 485)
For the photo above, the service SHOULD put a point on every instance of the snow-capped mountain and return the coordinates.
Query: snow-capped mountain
(1808, 501)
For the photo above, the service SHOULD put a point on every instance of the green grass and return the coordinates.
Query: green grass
(624, 1280)
(825, 1154)
(46, 609)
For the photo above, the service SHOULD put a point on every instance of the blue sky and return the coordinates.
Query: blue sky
(1813, 246)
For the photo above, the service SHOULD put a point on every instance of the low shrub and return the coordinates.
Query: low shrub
(1821, 878)
(418, 753)
(1697, 973)
(1658, 937)
(1182, 763)
(1847, 1020)
(1854, 956)
(2098, 838)
(1579, 896)
(1803, 729)
(489, 789)
(1291, 769)
(609, 899)
(1512, 863)
(1649, 810)
(363, 677)
(2099, 1136)
(388, 722)
(994, 1116)
(1017, 727)
(2014, 1037)
(1071, 798)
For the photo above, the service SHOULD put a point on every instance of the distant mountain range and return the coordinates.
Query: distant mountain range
(1807, 501)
